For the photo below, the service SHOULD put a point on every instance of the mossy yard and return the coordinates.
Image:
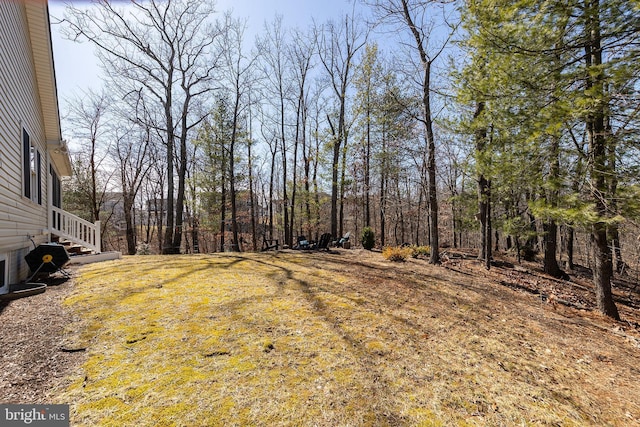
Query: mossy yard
(337, 339)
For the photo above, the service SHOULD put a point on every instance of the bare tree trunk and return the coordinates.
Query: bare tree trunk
(484, 204)
(307, 187)
(487, 225)
(484, 194)
(272, 172)
(95, 203)
(316, 191)
(127, 204)
(550, 227)
(383, 188)
(419, 215)
(613, 231)
(614, 238)
(343, 181)
(595, 121)
(232, 175)
(551, 266)
(252, 201)
(223, 204)
(335, 163)
(314, 218)
(285, 197)
(337, 55)
(170, 145)
(570, 243)
(334, 186)
(432, 196)
(294, 172)
(367, 167)
(160, 222)
(399, 207)
(182, 173)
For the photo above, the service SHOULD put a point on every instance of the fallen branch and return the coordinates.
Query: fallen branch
(544, 297)
(553, 279)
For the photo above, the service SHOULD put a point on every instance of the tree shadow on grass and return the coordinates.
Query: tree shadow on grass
(331, 317)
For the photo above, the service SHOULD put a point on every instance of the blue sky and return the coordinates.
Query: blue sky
(77, 68)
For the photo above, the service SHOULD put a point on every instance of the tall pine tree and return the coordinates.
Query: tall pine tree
(543, 69)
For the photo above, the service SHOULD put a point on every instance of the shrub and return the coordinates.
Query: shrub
(368, 239)
(143, 249)
(396, 253)
(417, 251)
(528, 253)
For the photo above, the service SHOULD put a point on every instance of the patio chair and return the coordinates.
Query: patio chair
(344, 239)
(268, 244)
(302, 243)
(324, 241)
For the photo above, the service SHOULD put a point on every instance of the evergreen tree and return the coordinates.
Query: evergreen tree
(541, 69)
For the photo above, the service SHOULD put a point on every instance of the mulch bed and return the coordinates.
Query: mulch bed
(33, 359)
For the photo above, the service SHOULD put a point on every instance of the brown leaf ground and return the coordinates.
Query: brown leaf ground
(342, 338)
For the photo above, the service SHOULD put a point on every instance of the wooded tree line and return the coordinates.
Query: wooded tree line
(430, 122)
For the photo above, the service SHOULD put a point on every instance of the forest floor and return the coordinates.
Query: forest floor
(323, 338)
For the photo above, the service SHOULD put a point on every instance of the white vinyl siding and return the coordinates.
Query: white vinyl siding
(21, 218)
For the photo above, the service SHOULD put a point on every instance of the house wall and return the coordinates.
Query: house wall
(21, 219)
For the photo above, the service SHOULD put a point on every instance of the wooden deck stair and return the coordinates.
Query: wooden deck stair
(73, 249)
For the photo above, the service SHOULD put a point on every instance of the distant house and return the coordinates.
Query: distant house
(157, 208)
(113, 207)
(33, 155)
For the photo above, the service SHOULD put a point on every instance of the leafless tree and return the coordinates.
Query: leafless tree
(130, 149)
(88, 119)
(416, 17)
(236, 73)
(338, 44)
(274, 67)
(161, 52)
(300, 52)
